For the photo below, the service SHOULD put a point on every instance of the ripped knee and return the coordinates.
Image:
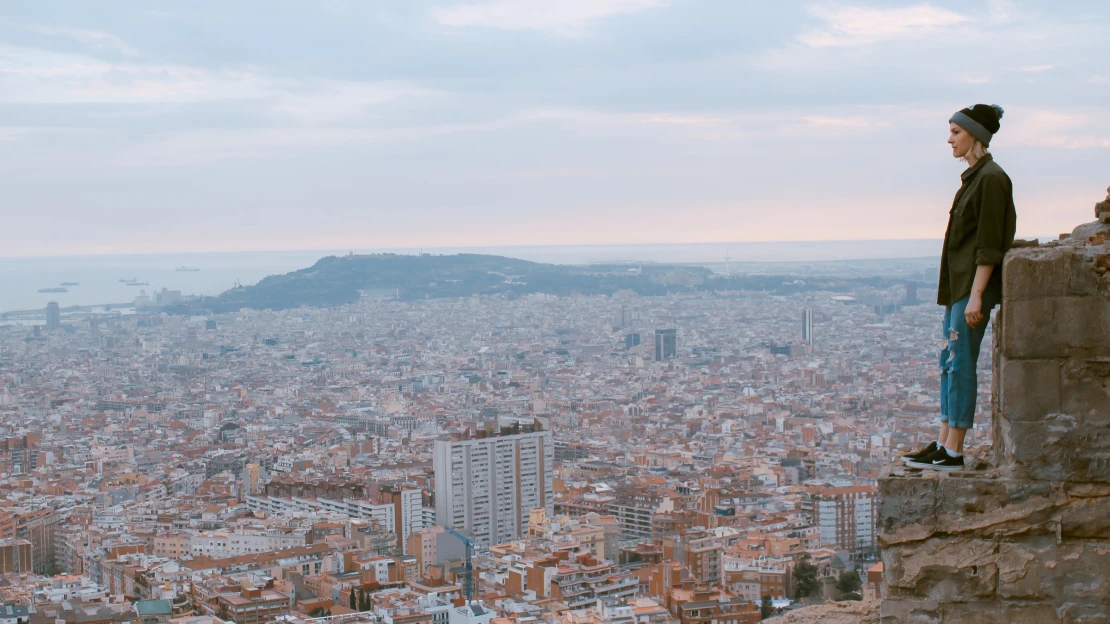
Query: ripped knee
(953, 336)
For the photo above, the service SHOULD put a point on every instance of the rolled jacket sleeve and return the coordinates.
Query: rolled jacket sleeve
(990, 239)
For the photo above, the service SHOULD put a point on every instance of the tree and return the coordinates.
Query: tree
(849, 582)
(805, 575)
(354, 601)
(766, 608)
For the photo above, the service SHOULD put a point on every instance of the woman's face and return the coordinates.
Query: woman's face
(959, 139)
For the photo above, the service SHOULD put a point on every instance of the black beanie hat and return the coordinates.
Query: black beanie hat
(981, 120)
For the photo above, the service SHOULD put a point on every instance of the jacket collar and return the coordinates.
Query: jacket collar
(972, 170)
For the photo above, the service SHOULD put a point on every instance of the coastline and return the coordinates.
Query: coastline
(216, 273)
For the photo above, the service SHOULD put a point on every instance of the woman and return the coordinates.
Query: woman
(980, 231)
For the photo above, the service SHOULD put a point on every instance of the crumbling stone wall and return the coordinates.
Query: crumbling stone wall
(1023, 535)
(1102, 209)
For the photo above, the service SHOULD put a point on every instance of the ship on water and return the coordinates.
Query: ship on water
(71, 283)
(184, 269)
(134, 283)
(126, 280)
(53, 290)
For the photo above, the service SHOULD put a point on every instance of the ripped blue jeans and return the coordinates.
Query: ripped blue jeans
(959, 357)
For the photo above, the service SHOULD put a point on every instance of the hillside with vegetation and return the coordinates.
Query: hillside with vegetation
(338, 280)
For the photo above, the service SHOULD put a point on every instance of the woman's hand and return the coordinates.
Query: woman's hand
(973, 313)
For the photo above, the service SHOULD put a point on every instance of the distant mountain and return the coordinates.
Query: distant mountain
(338, 280)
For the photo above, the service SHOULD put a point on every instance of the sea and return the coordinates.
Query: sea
(103, 279)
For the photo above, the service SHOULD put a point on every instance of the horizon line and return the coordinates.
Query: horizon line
(458, 247)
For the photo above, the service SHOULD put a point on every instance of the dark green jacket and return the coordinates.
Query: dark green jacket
(981, 229)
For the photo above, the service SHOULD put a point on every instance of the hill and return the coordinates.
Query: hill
(338, 280)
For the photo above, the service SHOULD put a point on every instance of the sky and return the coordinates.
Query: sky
(145, 126)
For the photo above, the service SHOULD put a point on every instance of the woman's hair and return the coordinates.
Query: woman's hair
(976, 152)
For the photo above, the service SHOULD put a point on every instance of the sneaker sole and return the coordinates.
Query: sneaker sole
(923, 466)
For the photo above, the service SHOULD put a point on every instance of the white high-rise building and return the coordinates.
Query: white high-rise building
(486, 486)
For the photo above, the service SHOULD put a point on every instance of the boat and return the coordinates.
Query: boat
(138, 283)
(71, 283)
(53, 290)
(127, 279)
(183, 269)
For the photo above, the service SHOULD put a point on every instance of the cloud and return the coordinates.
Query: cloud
(33, 76)
(562, 17)
(91, 38)
(842, 122)
(1075, 129)
(339, 100)
(855, 26)
(10, 133)
(720, 126)
(686, 120)
(1001, 11)
(1035, 68)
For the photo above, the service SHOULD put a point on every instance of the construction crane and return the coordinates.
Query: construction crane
(468, 584)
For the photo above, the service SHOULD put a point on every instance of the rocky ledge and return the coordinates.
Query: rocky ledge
(832, 613)
(1022, 535)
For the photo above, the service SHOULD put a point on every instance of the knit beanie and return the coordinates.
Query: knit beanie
(981, 121)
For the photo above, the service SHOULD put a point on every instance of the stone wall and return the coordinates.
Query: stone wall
(1023, 535)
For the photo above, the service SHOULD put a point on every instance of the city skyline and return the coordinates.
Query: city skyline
(140, 128)
(553, 312)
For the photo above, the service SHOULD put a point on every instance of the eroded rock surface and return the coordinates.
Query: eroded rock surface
(832, 613)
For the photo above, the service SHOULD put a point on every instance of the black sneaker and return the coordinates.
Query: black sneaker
(947, 463)
(926, 462)
(923, 453)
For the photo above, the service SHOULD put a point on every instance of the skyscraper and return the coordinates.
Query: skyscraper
(666, 344)
(486, 486)
(911, 293)
(807, 326)
(624, 318)
(53, 316)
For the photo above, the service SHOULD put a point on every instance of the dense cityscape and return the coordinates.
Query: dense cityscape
(687, 458)
(554, 312)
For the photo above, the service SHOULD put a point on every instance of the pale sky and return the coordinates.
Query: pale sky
(140, 126)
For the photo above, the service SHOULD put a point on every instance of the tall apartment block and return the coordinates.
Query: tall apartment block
(485, 486)
(699, 551)
(846, 518)
(252, 480)
(807, 326)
